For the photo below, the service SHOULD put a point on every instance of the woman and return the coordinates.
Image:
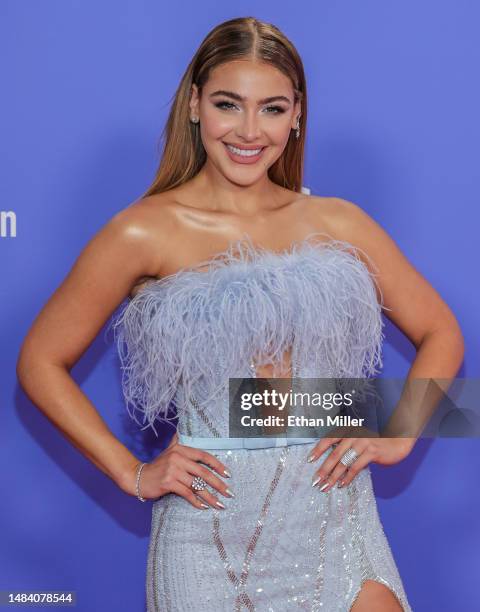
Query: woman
(233, 272)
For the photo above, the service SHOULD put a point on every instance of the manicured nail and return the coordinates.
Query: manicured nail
(219, 504)
(324, 486)
(340, 484)
(227, 473)
(317, 480)
(204, 505)
(228, 492)
(310, 458)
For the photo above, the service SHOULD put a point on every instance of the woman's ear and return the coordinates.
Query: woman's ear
(297, 113)
(194, 101)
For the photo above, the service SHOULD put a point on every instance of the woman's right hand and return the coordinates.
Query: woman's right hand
(173, 471)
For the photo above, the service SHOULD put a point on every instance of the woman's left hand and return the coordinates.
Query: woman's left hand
(369, 448)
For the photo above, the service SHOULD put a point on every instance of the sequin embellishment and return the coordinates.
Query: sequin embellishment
(280, 545)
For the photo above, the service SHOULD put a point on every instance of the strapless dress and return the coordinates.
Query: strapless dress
(280, 544)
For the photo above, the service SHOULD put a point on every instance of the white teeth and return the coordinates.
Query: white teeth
(243, 152)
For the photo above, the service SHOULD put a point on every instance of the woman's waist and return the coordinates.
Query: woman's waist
(230, 443)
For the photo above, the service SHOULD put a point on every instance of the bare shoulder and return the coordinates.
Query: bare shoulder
(113, 262)
(410, 301)
(321, 212)
(349, 222)
(348, 217)
(142, 220)
(146, 224)
(331, 212)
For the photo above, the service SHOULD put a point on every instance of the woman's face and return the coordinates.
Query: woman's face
(246, 113)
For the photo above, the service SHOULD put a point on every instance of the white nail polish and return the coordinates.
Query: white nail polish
(324, 486)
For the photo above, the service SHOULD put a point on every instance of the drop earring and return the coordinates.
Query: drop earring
(194, 119)
(297, 128)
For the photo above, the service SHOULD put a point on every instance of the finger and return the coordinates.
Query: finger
(196, 454)
(356, 467)
(321, 447)
(191, 469)
(205, 494)
(325, 471)
(335, 435)
(328, 464)
(188, 494)
(184, 469)
(339, 471)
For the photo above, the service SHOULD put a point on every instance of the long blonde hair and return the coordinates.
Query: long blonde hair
(244, 37)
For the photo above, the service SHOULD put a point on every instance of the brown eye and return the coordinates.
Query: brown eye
(277, 110)
(224, 104)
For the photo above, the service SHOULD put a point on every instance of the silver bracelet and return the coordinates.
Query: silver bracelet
(137, 485)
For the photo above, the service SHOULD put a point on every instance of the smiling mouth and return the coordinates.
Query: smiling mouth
(250, 152)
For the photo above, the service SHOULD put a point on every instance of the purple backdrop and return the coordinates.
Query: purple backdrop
(393, 127)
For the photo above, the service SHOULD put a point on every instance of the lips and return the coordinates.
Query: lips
(245, 158)
(245, 147)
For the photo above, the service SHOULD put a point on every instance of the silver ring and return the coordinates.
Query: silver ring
(349, 457)
(198, 484)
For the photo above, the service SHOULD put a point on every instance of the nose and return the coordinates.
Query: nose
(248, 127)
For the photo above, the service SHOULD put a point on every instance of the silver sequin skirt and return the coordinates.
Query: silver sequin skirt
(280, 545)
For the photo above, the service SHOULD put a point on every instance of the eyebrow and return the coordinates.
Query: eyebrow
(235, 96)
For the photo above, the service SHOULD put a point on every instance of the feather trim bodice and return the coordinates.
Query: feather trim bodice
(181, 337)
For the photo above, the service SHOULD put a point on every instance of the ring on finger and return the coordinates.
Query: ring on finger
(349, 457)
(198, 484)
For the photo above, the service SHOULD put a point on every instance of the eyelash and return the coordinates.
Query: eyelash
(278, 109)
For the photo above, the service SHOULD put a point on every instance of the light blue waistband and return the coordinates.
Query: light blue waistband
(231, 443)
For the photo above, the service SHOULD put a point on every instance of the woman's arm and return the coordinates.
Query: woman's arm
(416, 308)
(121, 253)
